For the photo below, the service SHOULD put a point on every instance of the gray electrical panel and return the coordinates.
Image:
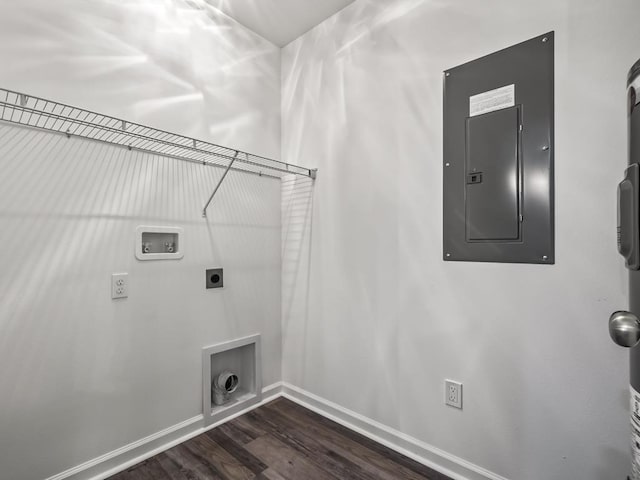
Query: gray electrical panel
(498, 156)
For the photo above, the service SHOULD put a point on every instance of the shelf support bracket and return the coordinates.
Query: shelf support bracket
(204, 210)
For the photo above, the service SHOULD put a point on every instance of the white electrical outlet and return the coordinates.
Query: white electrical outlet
(120, 285)
(453, 393)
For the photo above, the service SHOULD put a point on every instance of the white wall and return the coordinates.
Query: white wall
(171, 64)
(375, 320)
(81, 374)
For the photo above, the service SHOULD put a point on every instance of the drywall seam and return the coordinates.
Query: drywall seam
(443, 462)
(122, 458)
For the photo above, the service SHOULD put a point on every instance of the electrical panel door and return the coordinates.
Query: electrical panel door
(492, 188)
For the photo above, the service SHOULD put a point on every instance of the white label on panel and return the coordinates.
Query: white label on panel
(503, 97)
(635, 434)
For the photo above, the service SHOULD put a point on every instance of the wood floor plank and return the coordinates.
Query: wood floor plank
(231, 430)
(227, 465)
(368, 460)
(174, 470)
(286, 461)
(148, 470)
(249, 427)
(196, 466)
(385, 462)
(280, 441)
(299, 438)
(269, 474)
(237, 450)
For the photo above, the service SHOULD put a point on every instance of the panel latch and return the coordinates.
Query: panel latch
(475, 177)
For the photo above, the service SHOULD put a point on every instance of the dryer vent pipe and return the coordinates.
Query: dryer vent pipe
(223, 386)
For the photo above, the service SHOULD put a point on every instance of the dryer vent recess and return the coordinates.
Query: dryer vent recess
(215, 278)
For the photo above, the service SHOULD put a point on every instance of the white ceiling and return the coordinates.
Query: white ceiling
(280, 21)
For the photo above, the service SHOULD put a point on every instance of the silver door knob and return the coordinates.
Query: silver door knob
(624, 328)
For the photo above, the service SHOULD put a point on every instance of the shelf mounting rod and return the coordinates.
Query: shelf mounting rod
(204, 210)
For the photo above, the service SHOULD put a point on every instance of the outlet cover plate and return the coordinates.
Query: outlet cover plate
(453, 393)
(119, 285)
(215, 278)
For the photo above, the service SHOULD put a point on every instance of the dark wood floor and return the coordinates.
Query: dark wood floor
(280, 440)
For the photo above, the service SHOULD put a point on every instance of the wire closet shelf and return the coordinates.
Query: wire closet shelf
(39, 113)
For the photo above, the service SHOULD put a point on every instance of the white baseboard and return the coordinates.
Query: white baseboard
(426, 454)
(118, 460)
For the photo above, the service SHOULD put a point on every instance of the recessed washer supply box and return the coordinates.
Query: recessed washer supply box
(159, 243)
